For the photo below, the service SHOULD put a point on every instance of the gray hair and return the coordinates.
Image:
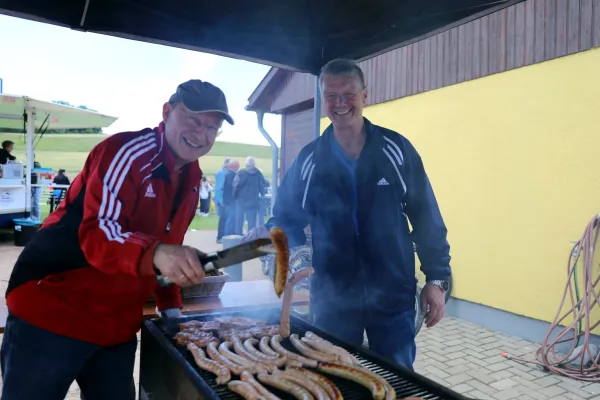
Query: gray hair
(342, 66)
(250, 162)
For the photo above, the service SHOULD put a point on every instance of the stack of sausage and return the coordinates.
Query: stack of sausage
(252, 350)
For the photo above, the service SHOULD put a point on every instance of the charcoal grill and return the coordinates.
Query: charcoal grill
(168, 372)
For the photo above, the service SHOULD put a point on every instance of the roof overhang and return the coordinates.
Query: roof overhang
(300, 35)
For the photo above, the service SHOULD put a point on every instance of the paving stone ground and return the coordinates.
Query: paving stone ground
(468, 359)
(456, 353)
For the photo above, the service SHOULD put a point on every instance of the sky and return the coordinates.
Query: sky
(123, 78)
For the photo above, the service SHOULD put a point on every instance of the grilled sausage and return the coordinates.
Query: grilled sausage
(330, 387)
(245, 390)
(237, 369)
(322, 347)
(311, 353)
(239, 348)
(276, 345)
(336, 349)
(225, 349)
(285, 385)
(294, 363)
(302, 380)
(286, 304)
(266, 359)
(222, 373)
(282, 259)
(263, 391)
(265, 348)
(390, 393)
(355, 375)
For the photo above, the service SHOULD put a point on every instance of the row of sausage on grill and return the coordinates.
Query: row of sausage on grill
(252, 350)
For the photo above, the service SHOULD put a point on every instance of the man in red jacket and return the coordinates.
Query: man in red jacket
(76, 293)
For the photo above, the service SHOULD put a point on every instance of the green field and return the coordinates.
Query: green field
(69, 151)
(209, 223)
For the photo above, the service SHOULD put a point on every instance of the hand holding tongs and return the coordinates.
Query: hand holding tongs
(228, 257)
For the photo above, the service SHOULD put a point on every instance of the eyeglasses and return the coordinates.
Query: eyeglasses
(341, 97)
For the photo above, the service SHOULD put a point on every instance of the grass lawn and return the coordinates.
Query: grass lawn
(69, 151)
(210, 223)
(199, 223)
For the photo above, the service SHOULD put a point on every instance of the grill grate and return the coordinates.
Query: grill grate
(403, 382)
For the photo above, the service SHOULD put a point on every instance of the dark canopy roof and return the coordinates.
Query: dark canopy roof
(294, 34)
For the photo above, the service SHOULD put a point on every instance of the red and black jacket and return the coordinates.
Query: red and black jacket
(88, 272)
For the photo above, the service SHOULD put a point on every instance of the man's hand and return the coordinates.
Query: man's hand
(433, 297)
(260, 232)
(179, 264)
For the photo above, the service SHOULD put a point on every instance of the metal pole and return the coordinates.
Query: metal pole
(29, 147)
(274, 156)
(317, 109)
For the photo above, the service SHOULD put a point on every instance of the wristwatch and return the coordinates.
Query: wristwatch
(441, 284)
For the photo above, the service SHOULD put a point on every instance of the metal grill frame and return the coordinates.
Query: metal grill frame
(166, 374)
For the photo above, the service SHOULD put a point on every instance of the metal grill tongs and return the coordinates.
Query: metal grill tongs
(228, 257)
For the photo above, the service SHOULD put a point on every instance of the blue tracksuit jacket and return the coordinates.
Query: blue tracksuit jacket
(359, 215)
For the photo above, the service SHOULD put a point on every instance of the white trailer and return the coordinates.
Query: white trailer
(23, 112)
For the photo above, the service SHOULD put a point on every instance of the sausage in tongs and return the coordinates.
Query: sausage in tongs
(245, 390)
(288, 294)
(283, 384)
(302, 380)
(237, 369)
(222, 373)
(311, 353)
(276, 345)
(355, 375)
(282, 259)
(330, 387)
(263, 391)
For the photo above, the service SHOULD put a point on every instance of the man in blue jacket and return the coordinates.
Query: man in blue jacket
(358, 186)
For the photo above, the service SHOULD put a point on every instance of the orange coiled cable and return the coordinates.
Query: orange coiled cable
(579, 330)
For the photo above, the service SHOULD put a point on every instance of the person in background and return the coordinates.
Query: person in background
(36, 194)
(358, 186)
(76, 293)
(7, 148)
(248, 187)
(205, 189)
(219, 181)
(58, 194)
(228, 198)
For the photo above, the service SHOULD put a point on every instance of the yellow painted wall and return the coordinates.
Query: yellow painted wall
(514, 159)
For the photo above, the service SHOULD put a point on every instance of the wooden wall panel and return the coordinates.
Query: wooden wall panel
(529, 32)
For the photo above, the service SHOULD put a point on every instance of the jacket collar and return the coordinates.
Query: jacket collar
(374, 141)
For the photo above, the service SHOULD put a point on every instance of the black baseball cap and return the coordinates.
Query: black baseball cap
(201, 97)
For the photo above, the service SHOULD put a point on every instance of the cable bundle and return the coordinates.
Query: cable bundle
(582, 361)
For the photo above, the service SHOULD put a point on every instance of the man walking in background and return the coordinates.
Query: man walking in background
(228, 197)
(219, 181)
(248, 186)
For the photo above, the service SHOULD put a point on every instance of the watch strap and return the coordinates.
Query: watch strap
(439, 283)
